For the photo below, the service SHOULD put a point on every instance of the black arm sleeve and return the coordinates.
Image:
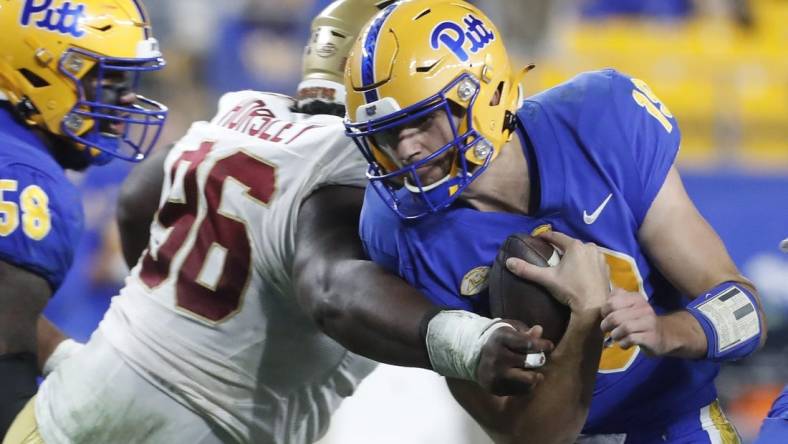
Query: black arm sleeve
(18, 375)
(22, 298)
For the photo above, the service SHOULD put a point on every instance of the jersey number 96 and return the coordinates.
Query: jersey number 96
(212, 277)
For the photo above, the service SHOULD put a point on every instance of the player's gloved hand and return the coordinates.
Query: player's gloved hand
(581, 279)
(631, 320)
(501, 370)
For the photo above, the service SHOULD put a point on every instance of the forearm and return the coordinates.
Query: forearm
(683, 335)
(355, 301)
(54, 347)
(373, 313)
(693, 259)
(558, 407)
(137, 204)
(49, 337)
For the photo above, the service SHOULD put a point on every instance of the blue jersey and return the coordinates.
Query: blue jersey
(40, 210)
(780, 406)
(774, 429)
(599, 148)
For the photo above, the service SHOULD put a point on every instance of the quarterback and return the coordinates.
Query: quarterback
(207, 342)
(68, 72)
(458, 161)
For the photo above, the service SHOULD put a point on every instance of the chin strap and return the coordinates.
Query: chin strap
(24, 109)
(311, 90)
(510, 119)
(18, 373)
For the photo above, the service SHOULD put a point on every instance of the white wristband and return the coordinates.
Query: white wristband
(455, 339)
(63, 351)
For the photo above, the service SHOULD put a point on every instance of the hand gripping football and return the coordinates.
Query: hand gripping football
(514, 298)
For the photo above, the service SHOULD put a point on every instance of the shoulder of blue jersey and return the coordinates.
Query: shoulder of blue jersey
(43, 218)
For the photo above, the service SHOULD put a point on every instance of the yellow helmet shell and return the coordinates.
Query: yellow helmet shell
(49, 46)
(415, 48)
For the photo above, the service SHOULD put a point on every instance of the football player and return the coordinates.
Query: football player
(774, 428)
(68, 75)
(207, 341)
(457, 162)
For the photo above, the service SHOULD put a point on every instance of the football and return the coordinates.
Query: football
(514, 298)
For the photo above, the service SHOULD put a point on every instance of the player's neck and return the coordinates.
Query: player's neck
(62, 150)
(505, 186)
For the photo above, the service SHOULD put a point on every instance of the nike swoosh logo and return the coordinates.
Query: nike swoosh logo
(591, 218)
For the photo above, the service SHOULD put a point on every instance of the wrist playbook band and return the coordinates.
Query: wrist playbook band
(728, 314)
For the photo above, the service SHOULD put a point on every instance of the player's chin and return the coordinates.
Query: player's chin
(431, 174)
(113, 129)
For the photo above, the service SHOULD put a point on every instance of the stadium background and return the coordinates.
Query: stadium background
(720, 65)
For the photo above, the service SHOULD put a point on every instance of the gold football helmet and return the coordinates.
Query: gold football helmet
(334, 31)
(418, 57)
(64, 66)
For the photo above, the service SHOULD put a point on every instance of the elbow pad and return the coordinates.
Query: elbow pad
(728, 314)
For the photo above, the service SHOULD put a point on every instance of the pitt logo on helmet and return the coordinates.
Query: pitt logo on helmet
(65, 20)
(454, 36)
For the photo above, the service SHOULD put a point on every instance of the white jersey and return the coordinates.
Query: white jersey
(209, 316)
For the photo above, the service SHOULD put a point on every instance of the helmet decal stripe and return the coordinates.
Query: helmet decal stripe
(368, 55)
(144, 17)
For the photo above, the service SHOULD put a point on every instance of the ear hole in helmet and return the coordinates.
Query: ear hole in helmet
(320, 107)
(33, 78)
(496, 98)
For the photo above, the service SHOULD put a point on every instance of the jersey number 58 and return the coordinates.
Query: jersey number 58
(34, 202)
